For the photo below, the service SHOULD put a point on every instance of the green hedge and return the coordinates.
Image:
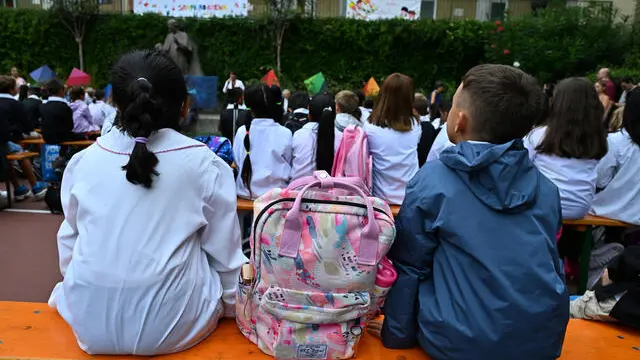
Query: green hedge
(552, 45)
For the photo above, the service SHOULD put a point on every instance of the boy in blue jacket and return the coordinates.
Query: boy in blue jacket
(479, 275)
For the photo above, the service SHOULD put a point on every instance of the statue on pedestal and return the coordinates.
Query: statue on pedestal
(179, 46)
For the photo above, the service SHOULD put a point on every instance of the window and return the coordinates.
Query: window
(497, 11)
(428, 9)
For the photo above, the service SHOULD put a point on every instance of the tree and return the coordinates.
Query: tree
(75, 15)
(281, 12)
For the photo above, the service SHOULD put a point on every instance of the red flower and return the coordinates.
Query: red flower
(493, 46)
(498, 22)
(506, 52)
(500, 28)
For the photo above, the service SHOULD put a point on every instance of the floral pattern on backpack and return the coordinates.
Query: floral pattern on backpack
(316, 261)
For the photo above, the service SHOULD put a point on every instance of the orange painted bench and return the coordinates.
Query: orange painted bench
(38, 141)
(78, 143)
(589, 220)
(34, 331)
(21, 156)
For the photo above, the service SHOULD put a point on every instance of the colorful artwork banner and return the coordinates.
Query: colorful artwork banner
(192, 8)
(383, 9)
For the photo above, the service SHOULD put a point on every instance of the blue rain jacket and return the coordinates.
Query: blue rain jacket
(478, 270)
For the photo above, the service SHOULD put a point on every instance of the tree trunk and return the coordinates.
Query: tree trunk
(80, 53)
(279, 37)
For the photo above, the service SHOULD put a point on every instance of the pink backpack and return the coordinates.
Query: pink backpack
(319, 269)
(352, 158)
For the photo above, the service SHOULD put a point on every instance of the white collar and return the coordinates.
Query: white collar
(301, 111)
(163, 140)
(7, 96)
(310, 125)
(57, 98)
(232, 106)
(34, 97)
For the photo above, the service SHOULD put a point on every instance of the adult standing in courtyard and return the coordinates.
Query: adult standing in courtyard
(610, 88)
(232, 83)
(16, 76)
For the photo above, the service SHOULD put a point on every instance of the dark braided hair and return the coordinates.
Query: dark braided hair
(149, 91)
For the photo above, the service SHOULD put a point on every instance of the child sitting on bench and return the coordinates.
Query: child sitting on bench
(149, 251)
(479, 275)
(14, 125)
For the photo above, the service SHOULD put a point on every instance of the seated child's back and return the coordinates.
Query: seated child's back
(57, 116)
(262, 147)
(479, 273)
(568, 148)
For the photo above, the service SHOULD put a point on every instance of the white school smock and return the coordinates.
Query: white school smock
(439, 144)
(395, 160)
(270, 157)
(304, 151)
(575, 178)
(618, 174)
(145, 269)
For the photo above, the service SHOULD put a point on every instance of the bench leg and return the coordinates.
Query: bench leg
(585, 256)
(8, 186)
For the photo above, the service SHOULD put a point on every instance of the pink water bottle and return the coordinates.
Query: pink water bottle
(385, 278)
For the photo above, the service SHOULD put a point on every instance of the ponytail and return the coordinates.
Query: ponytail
(325, 140)
(137, 118)
(322, 111)
(246, 165)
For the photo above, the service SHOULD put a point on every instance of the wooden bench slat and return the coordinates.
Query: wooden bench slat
(22, 155)
(33, 330)
(39, 141)
(589, 220)
(80, 143)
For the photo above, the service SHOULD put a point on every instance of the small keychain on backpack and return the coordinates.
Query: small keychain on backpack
(246, 274)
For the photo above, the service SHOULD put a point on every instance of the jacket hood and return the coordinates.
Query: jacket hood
(343, 120)
(501, 176)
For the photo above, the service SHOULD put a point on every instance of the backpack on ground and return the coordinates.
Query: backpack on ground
(352, 158)
(221, 146)
(319, 268)
(295, 121)
(52, 198)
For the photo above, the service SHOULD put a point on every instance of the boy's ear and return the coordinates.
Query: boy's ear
(461, 126)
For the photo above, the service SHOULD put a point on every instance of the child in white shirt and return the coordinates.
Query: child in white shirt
(149, 251)
(568, 148)
(393, 133)
(313, 143)
(262, 148)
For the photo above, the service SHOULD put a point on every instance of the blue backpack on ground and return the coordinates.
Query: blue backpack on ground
(221, 146)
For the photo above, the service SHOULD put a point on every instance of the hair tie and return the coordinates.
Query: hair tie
(141, 140)
(248, 152)
(327, 108)
(142, 79)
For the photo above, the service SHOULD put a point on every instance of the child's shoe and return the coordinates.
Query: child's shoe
(21, 192)
(40, 190)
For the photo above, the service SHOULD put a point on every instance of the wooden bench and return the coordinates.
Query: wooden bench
(34, 331)
(21, 156)
(78, 143)
(39, 142)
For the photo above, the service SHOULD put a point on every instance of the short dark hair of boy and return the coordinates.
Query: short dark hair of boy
(299, 100)
(421, 104)
(361, 97)
(7, 84)
(77, 93)
(627, 79)
(368, 103)
(99, 94)
(234, 95)
(54, 87)
(503, 102)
